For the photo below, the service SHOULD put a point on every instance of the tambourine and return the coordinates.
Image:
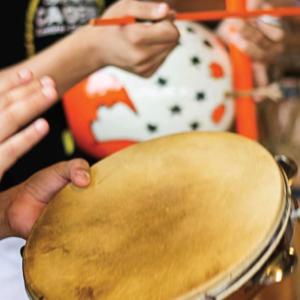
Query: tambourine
(188, 216)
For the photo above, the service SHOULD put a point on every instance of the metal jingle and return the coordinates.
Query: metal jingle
(290, 169)
(288, 165)
(280, 267)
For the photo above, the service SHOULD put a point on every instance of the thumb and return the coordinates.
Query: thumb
(43, 185)
(33, 195)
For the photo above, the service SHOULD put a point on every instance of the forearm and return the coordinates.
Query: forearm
(67, 62)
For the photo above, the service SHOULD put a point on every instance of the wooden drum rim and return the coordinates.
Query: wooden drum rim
(223, 287)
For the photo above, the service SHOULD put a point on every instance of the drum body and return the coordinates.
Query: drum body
(189, 216)
(187, 93)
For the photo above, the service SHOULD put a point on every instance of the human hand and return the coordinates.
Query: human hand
(262, 39)
(25, 202)
(22, 97)
(139, 48)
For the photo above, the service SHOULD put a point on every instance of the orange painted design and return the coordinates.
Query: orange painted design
(81, 110)
(111, 98)
(218, 113)
(216, 70)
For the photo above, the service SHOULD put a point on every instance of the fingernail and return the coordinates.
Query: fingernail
(84, 176)
(239, 41)
(25, 74)
(49, 92)
(41, 125)
(47, 81)
(162, 9)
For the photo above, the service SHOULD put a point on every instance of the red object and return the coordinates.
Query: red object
(237, 12)
(246, 119)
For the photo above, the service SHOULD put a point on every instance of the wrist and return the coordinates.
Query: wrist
(5, 200)
(76, 55)
(91, 40)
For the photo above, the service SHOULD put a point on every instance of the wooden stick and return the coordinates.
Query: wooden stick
(117, 21)
(246, 119)
(208, 15)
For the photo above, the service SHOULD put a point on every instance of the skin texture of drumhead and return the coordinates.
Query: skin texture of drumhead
(160, 219)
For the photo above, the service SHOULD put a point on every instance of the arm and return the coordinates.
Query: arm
(66, 62)
(90, 48)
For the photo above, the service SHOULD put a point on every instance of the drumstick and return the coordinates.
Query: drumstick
(246, 119)
(208, 15)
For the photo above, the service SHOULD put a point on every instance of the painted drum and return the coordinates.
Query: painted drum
(188, 216)
(113, 109)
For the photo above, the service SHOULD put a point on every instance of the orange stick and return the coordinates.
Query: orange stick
(209, 15)
(246, 119)
(116, 21)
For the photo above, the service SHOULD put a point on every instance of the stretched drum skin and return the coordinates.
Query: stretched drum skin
(188, 216)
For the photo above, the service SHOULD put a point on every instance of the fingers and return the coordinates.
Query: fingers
(272, 32)
(140, 42)
(252, 40)
(251, 34)
(148, 68)
(164, 32)
(258, 47)
(8, 83)
(19, 144)
(147, 10)
(25, 102)
(23, 91)
(45, 184)
(141, 10)
(22, 99)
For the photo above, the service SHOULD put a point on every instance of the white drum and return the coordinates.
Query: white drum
(113, 108)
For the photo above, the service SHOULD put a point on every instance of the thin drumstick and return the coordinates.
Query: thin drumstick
(208, 16)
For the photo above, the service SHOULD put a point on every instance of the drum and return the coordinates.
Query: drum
(188, 216)
(189, 92)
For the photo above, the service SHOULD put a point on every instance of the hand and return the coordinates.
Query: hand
(262, 39)
(139, 48)
(25, 203)
(22, 98)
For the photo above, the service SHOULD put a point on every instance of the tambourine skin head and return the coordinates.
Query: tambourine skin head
(169, 218)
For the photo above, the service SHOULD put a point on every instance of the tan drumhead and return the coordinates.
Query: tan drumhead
(159, 220)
